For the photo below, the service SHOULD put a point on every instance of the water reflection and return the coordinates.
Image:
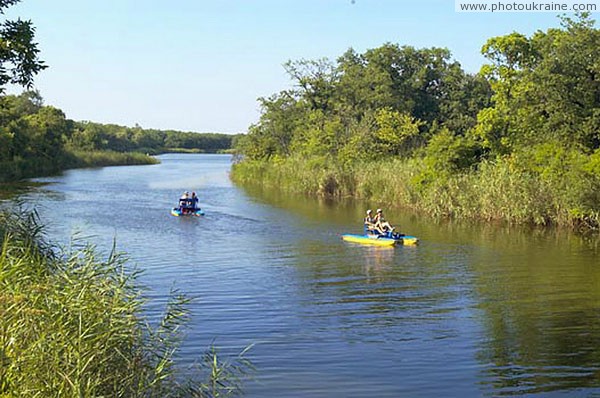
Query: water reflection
(535, 294)
(17, 189)
(541, 303)
(378, 261)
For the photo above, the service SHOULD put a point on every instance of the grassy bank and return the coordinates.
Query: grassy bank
(36, 167)
(78, 159)
(181, 150)
(193, 151)
(498, 190)
(71, 326)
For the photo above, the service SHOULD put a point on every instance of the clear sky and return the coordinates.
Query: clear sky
(198, 65)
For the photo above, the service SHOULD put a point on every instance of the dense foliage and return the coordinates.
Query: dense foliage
(389, 101)
(524, 132)
(19, 61)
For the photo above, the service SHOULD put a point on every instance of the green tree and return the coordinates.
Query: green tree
(396, 132)
(315, 81)
(447, 153)
(545, 88)
(564, 97)
(48, 130)
(19, 61)
(380, 103)
(512, 58)
(15, 133)
(363, 86)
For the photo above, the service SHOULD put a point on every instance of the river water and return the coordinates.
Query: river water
(474, 310)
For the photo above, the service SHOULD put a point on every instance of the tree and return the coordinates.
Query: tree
(546, 87)
(395, 132)
(316, 81)
(386, 99)
(48, 130)
(363, 86)
(19, 61)
(565, 85)
(15, 134)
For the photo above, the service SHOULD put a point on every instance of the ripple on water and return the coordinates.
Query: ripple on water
(469, 312)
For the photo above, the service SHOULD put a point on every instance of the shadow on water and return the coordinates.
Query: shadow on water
(14, 189)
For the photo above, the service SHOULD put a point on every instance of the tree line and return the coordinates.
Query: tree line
(39, 139)
(96, 136)
(532, 112)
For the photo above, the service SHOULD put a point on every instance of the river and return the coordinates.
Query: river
(474, 310)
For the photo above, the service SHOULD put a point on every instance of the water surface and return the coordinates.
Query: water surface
(473, 311)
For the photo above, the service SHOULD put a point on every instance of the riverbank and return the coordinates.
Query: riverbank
(37, 167)
(499, 190)
(39, 140)
(409, 127)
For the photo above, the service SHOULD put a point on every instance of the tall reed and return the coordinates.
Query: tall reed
(18, 169)
(498, 190)
(78, 158)
(71, 325)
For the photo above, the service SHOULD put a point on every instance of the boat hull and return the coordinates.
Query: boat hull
(380, 240)
(178, 213)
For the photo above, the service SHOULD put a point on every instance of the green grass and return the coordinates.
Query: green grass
(71, 325)
(182, 150)
(78, 159)
(19, 169)
(500, 190)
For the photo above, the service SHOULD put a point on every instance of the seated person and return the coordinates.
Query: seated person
(369, 221)
(381, 225)
(183, 202)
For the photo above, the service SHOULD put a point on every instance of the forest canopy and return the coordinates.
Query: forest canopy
(393, 100)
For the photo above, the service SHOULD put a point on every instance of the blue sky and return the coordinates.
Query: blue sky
(197, 65)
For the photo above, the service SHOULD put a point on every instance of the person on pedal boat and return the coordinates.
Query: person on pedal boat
(381, 225)
(369, 221)
(183, 199)
(194, 200)
(183, 202)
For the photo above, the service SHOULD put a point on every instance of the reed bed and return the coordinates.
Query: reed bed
(79, 159)
(18, 169)
(71, 325)
(496, 190)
